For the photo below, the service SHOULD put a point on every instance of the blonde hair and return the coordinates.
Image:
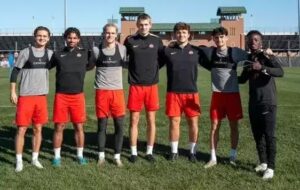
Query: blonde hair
(109, 25)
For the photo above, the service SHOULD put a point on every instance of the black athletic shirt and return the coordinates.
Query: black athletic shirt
(70, 69)
(182, 68)
(262, 88)
(145, 53)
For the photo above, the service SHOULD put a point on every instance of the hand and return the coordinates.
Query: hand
(268, 52)
(14, 98)
(256, 66)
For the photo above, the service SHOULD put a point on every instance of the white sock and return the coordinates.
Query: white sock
(213, 155)
(117, 156)
(57, 153)
(174, 147)
(35, 155)
(149, 149)
(101, 155)
(233, 153)
(133, 150)
(19, 158)
(80, 152)
(192, 147)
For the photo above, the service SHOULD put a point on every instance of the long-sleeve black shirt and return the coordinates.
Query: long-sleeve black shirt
(144, 58)
(182, 68)
(262, 88)
(70, 69)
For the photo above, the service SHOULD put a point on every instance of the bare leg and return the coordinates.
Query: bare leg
(214, 134)
(19, 139)
(58, 135)
(174, 129)
(151, 128)
(134, 121)
(79, 134)
(193, 128)
(37, 137)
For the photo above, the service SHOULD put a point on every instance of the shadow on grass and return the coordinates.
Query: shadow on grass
(7, 134)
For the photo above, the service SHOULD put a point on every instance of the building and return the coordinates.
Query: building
(229, 17)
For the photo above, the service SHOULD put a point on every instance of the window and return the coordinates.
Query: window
(232, 31)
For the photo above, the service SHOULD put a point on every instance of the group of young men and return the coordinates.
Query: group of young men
(143, 54)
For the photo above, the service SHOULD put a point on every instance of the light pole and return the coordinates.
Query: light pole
(65, 14)
(299, 26)
(52, 24)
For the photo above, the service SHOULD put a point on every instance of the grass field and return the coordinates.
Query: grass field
(163, 174)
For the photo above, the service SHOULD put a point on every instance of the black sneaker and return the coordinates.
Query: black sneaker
(192, 158)
(150, 158)
(173, 156)
(133, 158)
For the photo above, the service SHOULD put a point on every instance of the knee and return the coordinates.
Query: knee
(78, 128)
(135, 119)
(37, 130)
(59, 127)
(21, 131)
(214, 127)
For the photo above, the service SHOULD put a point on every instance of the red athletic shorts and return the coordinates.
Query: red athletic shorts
(226, 104)
(69, 104)
(143, 95)
(110, 102)
(178, 103)
(31, 109)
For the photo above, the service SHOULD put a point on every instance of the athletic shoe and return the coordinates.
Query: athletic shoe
(210, 164)
(118, 162)
(150, 158)
(192, 158)
(56, 162)
(173, 156)
(268, 174)
(261, 167)
(232, 161)
(82, 161)
(37, 164)
(101, 162)
(133, 158)
(19, 166)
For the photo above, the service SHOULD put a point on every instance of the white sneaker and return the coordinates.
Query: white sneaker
(210, 164)
(268, 174)
(37, 164)
(118, 162)
(232, 161)
(19, 166)
(101, 162)
(261, 167)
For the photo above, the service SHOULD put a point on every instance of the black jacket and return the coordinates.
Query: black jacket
(262, 88)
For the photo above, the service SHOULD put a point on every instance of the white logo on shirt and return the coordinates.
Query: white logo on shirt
(151, 46)
(78, 55)
(62, 55)
(191, 52)
(135, 46)
(173, 53)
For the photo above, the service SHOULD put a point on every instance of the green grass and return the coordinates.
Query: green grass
(163, 174)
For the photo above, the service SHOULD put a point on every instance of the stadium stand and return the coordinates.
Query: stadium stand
(10, 43)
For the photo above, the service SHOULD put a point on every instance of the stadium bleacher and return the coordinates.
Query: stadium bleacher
(9, 43)
(281, 42)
